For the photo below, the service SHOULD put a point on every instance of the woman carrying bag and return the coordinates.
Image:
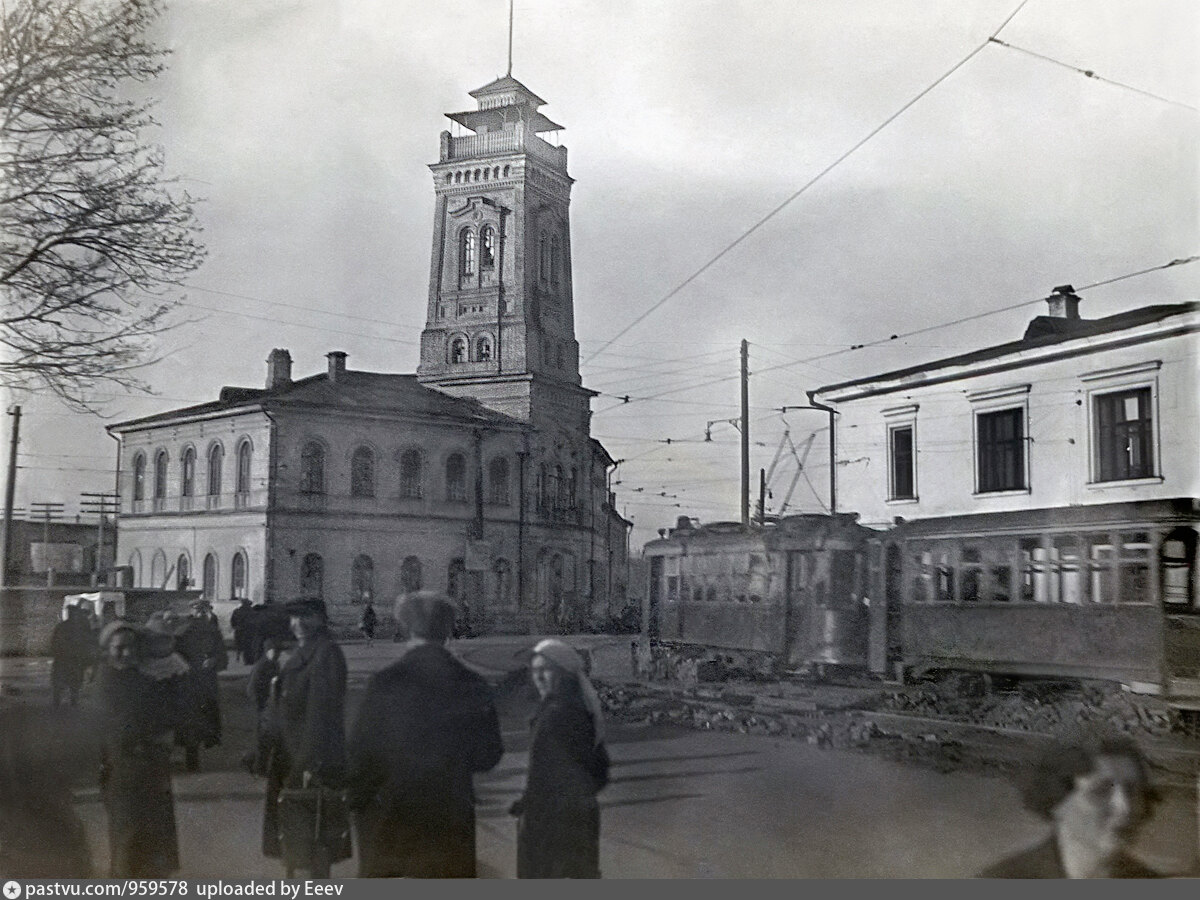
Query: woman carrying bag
(558, 826)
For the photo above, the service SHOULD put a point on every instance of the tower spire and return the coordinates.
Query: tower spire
(510, 32)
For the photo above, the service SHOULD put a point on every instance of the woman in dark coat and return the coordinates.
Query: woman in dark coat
(139, 695)
(558, 829)
(310, 715)
(202, 645)
(426, 725)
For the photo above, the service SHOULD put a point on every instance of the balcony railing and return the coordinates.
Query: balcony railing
(489, 143)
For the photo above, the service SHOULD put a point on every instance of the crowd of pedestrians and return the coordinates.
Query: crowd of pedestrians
(398, 785)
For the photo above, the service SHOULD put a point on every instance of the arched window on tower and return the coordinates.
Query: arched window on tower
(544, 259)
(487, 247)
(555, 261)
(466, 252)
(483, 349)
(458, 350)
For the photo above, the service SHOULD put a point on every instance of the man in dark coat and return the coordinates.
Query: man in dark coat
(426, 725)
(203, 647)
(310, 716)
(239, 623)
(72, 651)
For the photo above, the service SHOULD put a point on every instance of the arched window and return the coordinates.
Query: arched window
(560, 487)
(160, 475)
(466, 252)
(498, 481)
(362, 473)
(544, 258)
(555, 260)
(135, 563)
(312, 577)
(483, 349)
(410, 575)
(456, 478)
(410, 474)
(312, 469)
(572, 489)
(237, 577)
(502, 575)
(243, 468)
(183, 574)
(362, 579)
(458, 350)
(208, 577)
(187, 480)
(139, 477)
(543, 486)
(487, 247)
(456, 580)
(216, 458)
(158, 570)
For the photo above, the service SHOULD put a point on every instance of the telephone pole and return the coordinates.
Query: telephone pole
(745, 432)
(102, 504)
(9, 489)
(47, 512)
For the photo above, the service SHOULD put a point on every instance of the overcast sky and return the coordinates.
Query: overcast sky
(307, 126)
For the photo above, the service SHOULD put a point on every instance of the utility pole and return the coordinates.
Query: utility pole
(745, 432)
(102, 504)
(9, 489)
(48, 512)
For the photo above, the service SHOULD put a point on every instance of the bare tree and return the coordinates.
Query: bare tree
(93, 236)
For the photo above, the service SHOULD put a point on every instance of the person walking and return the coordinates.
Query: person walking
(368, 621)
(140, 683)
(310, 714)
(427, 723)
(239, 624)
(558, 818)
(202, 645)
(71, 652)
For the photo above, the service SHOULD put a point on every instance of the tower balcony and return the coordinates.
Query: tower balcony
(492, 143)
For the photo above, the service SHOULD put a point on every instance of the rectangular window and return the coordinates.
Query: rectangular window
(1124, 435)
(1000, 450)
(901, 452)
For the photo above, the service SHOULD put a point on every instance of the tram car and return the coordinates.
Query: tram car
(784, 596)
(1073, 595)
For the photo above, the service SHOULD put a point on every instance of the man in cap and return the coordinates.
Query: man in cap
(426, 725)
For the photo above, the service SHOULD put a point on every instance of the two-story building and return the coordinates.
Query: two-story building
(1036, 500)
(477, 475)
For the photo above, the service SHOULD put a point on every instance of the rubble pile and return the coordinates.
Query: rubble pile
(1042, 707)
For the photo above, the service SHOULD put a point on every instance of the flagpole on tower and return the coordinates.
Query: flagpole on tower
(510, 31)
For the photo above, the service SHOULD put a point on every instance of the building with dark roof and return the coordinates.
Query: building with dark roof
(1059, 470)
(477, 475)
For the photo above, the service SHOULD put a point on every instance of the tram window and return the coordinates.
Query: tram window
(945, 581)
(1176, 566)
(1029, 575)
(1001, 579)
(672, 588)
(970, 585)
(1135, 570)
(1103, 582)
(697, 594)
(1072, 587)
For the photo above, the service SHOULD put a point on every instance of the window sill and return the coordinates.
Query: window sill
(1014, 492)
(1127, 482)
(902, 501)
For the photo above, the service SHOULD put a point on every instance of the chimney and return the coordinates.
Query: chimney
(337, 365)
(279, 369)
(1064, 304)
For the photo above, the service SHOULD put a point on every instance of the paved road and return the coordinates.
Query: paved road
(682, 803)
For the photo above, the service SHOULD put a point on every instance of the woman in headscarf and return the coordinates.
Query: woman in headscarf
(139, 693)
(558, 829)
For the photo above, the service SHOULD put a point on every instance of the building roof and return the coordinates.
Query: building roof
(1043, 331)
(367, 392)
(503, 101)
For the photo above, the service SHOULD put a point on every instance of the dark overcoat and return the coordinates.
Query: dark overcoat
(426, 724)
(202, 642)
(558, 829)
(72, 651)
(135, 771)
(309, 713)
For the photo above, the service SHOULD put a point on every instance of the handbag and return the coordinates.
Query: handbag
(314, 826)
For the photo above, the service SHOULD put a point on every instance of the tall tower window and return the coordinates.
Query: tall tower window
(466, 252)
(458, 350)
(544, 258)
(555, 261)
(483, 349)
(487, 245)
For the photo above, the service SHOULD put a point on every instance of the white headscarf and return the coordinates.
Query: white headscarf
(566, 658)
